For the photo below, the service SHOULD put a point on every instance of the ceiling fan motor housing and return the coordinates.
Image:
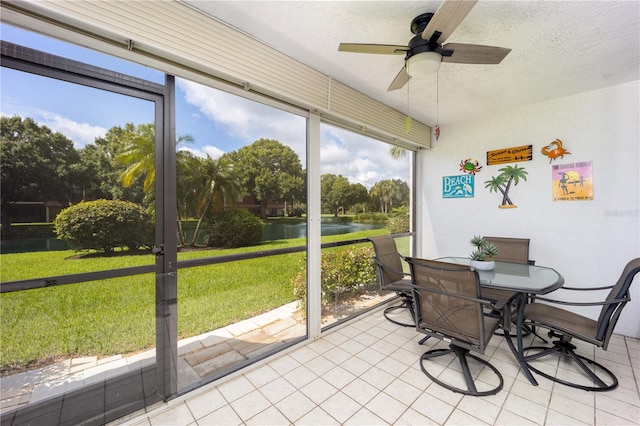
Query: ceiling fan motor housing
(419, 45)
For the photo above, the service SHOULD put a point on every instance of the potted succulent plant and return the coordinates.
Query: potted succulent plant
(482, 256)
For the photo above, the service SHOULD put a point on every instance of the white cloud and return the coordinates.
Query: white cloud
(80, 133)
(244, 119)
(212, 151)
(359, 158)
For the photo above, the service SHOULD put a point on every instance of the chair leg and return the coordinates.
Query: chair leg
(564, 347)
(462, 354)
(407, 303)
(424, 339)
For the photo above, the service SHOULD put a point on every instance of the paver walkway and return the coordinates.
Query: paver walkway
(198, 357)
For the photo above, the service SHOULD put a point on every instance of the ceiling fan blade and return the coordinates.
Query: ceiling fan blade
(380, 49)
(401, 79)
(447, 18)
(473, 53)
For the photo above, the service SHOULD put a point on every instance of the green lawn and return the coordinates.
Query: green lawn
(118, 315)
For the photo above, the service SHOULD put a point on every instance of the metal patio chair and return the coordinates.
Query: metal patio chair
(448, 307)
(567, 325)
(391, 277)
(514, 250)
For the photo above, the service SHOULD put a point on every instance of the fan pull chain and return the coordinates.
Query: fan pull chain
(437, 129)
(407, 120)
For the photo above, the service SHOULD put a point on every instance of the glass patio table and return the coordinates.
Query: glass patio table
(522, 279)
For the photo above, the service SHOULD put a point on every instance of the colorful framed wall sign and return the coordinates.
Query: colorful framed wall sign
(510, 155)
(572, 181)
(461, 186)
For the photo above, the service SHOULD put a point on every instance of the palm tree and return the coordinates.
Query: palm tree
(397, 152)
(509, 175)
(139, 156)
(211, 185)
(382, 192)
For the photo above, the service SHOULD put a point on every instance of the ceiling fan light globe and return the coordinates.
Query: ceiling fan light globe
(423, 64)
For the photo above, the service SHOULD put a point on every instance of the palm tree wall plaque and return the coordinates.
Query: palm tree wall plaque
(502, 183)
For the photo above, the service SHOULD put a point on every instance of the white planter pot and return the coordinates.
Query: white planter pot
(481, 265)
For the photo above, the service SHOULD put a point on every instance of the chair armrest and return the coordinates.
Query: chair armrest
(609, 287)
(386, 268)
(499, 305)
(563, 302)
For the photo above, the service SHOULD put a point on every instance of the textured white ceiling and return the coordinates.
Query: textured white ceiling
(559, 48)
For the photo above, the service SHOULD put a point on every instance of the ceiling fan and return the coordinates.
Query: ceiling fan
(425, 51)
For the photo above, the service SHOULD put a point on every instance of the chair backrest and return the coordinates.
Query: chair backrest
(447, 303)
(388, 260)
(511, 249)
(620, 291)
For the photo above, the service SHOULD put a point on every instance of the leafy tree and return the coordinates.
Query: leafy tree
(333, 192)
(292, 188)
(502, 183)
(37, 164)
(269, 170)
(390, 193)
(358, 195)
(101, 159)
(337, 192)
(208, 186)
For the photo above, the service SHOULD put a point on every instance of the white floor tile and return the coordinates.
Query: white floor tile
(206, 403)
(295, 406)
(317, 417)
(270, 416)
(318, 390)
(174, 416)
(365, 417)
(340, 407)
(277, 390)
(386, 407)
(250, 404)
(368, 373)
(224, 416)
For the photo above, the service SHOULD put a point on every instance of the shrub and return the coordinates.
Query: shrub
(370, 217)
(342, 272)
(398, 224)
(103, 225)
(234, 228)
(296, 212)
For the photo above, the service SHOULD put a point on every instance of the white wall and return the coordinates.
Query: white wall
(588, 242)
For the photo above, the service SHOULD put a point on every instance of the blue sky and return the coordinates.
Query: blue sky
(219, 122)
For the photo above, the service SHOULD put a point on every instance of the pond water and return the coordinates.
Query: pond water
(274, 230)
(281, 231)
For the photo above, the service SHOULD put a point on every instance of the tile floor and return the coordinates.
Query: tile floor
(367, 372)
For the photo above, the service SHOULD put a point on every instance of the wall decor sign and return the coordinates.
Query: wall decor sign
(510, 155)
(509, 177)
(572, 181)
(471, 167)
(554, 150)
(461, 186)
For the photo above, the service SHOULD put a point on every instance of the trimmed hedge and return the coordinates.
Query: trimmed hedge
(234, 228)
(103, 225)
